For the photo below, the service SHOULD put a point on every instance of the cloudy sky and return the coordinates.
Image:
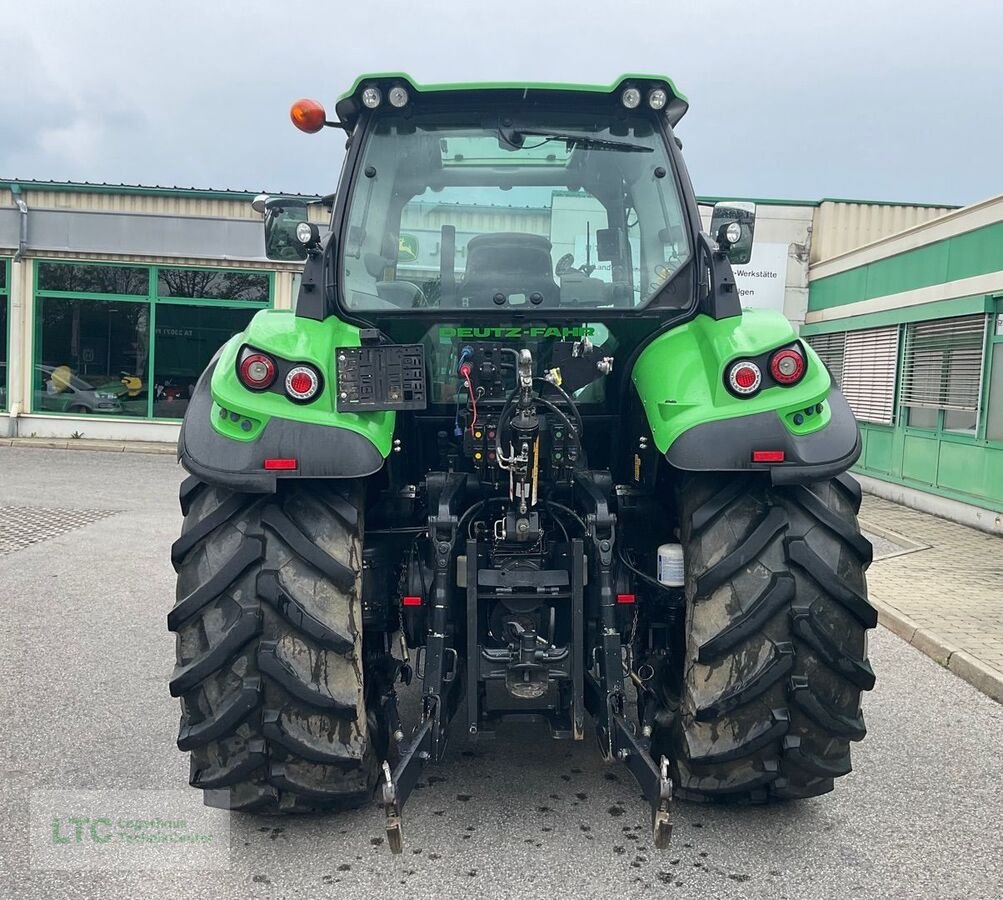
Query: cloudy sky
(875, 100)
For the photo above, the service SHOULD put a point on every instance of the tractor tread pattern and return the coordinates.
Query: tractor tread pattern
(781, 661)
(205, 526)
(224, 720)
(858, 671)
(209, 777)
(332, 754)
(854, 601)
(247, 625)
(770, 696)
(775, 596)
(249, 552)
(268, 625)
(270, 590)
(744, 553)
(271, 663)
(277, 521)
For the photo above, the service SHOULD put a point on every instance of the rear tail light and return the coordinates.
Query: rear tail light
(256, 371)
(768, 456)
(744, 378)
(787, 366)
(302, 383)
(281, 464)
(411, 601)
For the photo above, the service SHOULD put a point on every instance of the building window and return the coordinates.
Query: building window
(185, 339)
(830, 348)
(91, 357)
(942, 372)
(864, 364)
(4, 330)
(213, 284)
(132, 340)
(89, 278)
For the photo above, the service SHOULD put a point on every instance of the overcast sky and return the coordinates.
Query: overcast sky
(874, 100)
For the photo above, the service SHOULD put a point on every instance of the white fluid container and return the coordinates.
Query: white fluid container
(670, 565)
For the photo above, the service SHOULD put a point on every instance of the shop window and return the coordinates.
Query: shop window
(185, 339)
(92, 357)
(942, 370)
(213, 284)
(87, 278)
(109, 354)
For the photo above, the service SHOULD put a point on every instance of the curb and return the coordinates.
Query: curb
(969, 668)
(92, 444)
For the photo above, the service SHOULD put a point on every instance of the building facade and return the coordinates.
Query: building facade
(912, 326)
(114, 299)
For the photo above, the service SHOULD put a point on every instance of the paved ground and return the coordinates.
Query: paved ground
(84, 659)
(952, 587)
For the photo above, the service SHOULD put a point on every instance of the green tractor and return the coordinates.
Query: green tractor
(517, 438)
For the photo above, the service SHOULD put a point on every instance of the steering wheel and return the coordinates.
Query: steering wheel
(565, 264)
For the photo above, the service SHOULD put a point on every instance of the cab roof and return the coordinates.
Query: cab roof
(349, 104)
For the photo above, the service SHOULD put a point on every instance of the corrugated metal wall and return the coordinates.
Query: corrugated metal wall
(840, 226)
(151, 204)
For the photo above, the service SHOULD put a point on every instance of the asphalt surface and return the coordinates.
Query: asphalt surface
(84, 661)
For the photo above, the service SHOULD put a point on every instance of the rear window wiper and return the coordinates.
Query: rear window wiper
(572, 139)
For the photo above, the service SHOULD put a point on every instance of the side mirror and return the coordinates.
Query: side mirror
(733, 226)
(283, 216)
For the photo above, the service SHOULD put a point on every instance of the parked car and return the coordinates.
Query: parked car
(62, 391)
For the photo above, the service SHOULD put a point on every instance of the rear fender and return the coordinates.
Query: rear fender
(229, 431)
(701, 426)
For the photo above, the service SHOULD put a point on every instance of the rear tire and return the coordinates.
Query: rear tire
(776, 647)
(269, 648)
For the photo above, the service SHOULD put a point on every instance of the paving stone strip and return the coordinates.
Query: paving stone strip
(944, 596)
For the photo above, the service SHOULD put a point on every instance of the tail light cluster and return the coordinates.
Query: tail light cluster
(258, 371)
(785, 367)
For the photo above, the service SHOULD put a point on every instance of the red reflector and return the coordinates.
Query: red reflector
(745, 377)
(625, 598)
(411, 601)
(281, 464)
(300, 383)
(767, 455)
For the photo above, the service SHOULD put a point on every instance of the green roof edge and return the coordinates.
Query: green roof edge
(156, 191)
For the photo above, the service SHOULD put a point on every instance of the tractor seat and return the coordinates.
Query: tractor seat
(508, 264)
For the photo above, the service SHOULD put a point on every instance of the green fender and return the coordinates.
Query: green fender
(229, 431)
(700, 425)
